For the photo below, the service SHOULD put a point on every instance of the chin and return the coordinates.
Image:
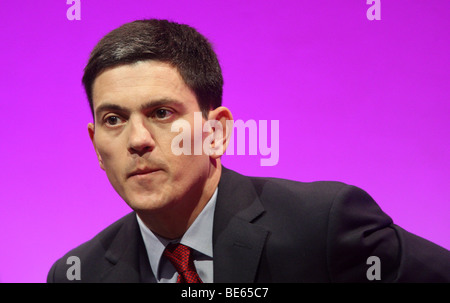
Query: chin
(147, 203)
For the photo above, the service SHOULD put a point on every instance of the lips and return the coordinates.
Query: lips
(141, 172)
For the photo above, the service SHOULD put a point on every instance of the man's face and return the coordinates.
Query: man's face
(134, 107)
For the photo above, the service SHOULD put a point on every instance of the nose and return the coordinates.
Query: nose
(140, 139)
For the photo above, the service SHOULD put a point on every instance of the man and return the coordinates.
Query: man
(194, 220)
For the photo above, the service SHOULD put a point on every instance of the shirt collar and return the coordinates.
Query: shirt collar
(197, 237)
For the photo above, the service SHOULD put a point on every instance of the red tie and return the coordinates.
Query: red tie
(180, 256)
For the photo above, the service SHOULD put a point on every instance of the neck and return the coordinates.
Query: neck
(173, 222)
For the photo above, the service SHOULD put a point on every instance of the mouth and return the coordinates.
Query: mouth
(142, 172)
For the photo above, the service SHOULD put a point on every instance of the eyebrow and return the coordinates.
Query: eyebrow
(151, 104)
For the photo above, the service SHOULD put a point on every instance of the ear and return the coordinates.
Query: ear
(220, 126)
(91, 130)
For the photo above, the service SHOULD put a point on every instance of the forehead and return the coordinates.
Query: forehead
(131, 85)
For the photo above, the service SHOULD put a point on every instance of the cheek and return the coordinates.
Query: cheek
(183, 166)
(105, 153)
(111, 155)
(188, 135)
(115, 166)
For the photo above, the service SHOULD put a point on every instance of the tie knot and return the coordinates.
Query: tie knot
(180, 257)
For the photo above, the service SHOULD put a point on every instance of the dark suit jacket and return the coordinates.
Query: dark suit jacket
(275, 230)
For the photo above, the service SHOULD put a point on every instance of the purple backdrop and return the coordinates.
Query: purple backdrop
(359, 101)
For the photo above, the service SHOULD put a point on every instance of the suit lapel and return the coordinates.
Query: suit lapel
(237, 243)
(126, 256)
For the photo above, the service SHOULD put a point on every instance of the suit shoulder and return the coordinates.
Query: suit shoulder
(91, 251)
(290, 189)
(293, 193)
(104, 237)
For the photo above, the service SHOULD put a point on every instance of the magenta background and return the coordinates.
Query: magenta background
(359, 101)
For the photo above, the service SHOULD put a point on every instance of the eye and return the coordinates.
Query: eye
(113, 120)
(162, 113)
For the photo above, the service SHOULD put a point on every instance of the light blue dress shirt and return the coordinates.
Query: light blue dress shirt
(198, 237)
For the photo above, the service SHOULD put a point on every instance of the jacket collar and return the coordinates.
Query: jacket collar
(237, 242)
(127, 256)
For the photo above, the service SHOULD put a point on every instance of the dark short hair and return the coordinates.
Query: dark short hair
(177, 44)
